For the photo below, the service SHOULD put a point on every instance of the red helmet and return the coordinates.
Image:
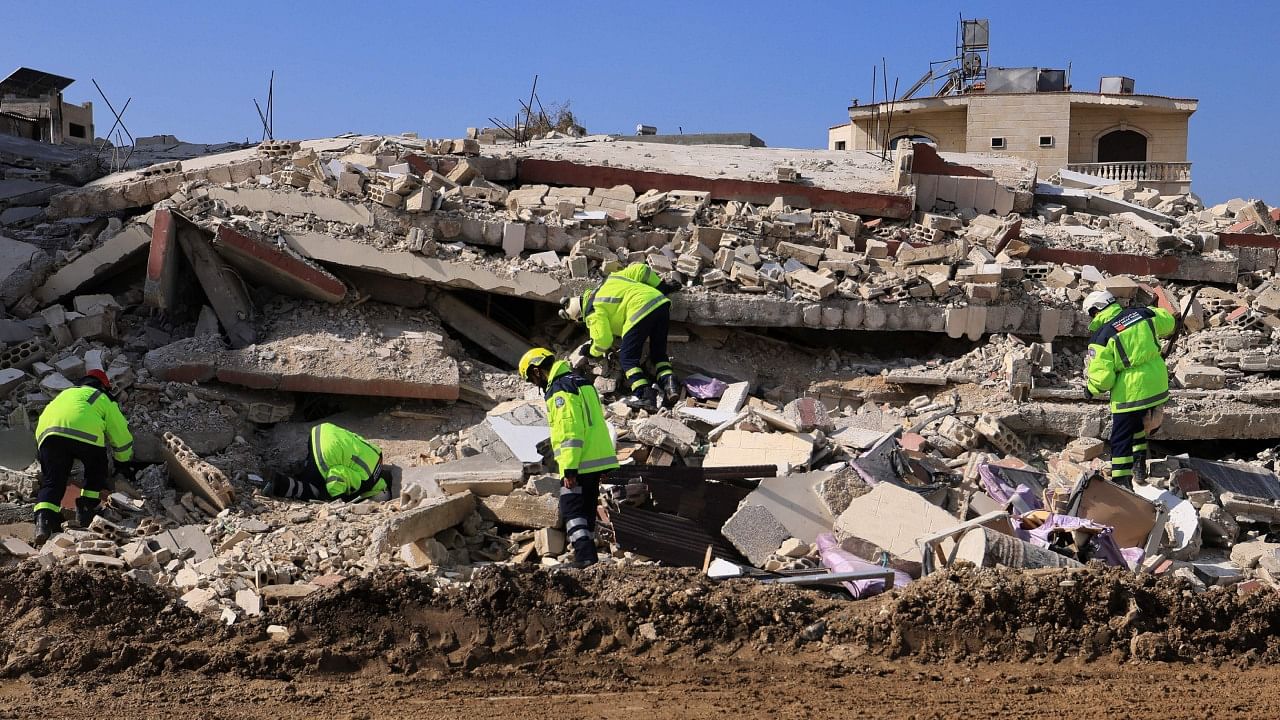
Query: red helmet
(100, 377)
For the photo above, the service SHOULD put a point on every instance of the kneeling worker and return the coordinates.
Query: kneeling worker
(79, 425)
(1124, 358)
(580, 439)
(340, 465)
(630, 304)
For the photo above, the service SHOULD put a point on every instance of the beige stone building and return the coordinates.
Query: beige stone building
(31, 106)
(1112, 135)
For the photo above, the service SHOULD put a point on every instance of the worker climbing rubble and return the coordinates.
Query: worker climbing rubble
(79, 424)
(581, 442)
(630, 304)
(1124, 358)
(339, 465)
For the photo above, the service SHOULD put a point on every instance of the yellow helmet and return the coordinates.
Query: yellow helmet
(534, 358)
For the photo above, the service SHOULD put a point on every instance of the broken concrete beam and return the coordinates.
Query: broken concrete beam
(890, 519)
(1145, 232)
(739, 447)
(429, 518)
(1202, 377)
(521, 509)
(164, 259)
(478, 328)
(192, 474)
(479, 474)
(224, 290)
(103, 261)
(267, 264)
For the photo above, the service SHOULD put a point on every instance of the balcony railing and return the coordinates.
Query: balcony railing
(1169, 172)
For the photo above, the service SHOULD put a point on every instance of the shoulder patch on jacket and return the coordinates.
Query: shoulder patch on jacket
(559, 401)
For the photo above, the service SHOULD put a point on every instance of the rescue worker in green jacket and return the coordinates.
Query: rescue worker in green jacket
(340, 465)
(1124, 358)
(630, 307)
(80, 424)
(581, 442)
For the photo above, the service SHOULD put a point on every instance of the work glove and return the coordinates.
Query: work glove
(1087, 395)
(569, 479)
(128, 470)
(666, 287)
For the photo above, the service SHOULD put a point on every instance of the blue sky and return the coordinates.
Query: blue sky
(785, 71)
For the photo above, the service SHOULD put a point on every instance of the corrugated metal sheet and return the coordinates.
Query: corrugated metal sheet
(669, 539)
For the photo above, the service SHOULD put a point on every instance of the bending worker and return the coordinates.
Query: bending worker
(1124, 358)
(630, 304)
(79, 425)
(580, 439)
(340, 465)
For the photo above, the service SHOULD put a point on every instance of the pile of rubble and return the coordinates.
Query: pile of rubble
(392, 282)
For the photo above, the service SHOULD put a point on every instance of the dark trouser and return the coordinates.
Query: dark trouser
(57, 454)
(309, 485)
(578, 510)
(1128, 447)
(652, 327)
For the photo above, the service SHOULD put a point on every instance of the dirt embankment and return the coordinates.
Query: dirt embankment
(75, 625)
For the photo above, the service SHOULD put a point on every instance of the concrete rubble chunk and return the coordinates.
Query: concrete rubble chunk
(429, 518)
(520, 509)
(118, 251)
(755, 532)
(267, 264)
(665, 432)
(192, 474)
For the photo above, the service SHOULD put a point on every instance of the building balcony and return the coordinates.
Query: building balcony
(1162, 173)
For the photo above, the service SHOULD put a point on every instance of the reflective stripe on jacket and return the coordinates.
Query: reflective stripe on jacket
(621, 301)
(89, 415)
(579, 436)
(1124, 357)
(349, 464)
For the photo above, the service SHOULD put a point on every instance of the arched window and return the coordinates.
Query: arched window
(1122, 146)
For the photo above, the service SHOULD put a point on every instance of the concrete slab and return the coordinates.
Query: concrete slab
(739, 447)
(479, 474)
(429, 518)
(479, 329)
(349, 253)
(521, 509)
(793, 502)
(891, 518)
(17, 449)
(121, 249)
(270, 265)
(521, 439)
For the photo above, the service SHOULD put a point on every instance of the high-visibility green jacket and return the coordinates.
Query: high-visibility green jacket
(1124, 356)
(89, 415)
(349, 464)
(579, 435)
(621, 301)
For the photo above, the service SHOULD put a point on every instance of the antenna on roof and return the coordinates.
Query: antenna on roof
(268, 118)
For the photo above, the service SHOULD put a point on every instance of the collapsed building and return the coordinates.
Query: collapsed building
(882, 360)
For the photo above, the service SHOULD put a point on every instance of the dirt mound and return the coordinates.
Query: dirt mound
(76, 625)
(1000, 614)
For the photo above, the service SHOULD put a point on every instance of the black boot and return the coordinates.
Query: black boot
(48, 523)
(670, 389)
(86, 508)
(644, 398)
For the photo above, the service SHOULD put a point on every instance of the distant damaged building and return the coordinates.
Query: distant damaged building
(962, 105)
(32, 107)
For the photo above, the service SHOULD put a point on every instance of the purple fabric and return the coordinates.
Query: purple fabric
(703, 387)
(1002, 492)
(837, 559)
(1133, 556)
(1107, 549)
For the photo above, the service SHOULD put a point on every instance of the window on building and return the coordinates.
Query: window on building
(1046, 141)
(839, 144)
(1122, 146)
(77, 130)
(997, 143)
